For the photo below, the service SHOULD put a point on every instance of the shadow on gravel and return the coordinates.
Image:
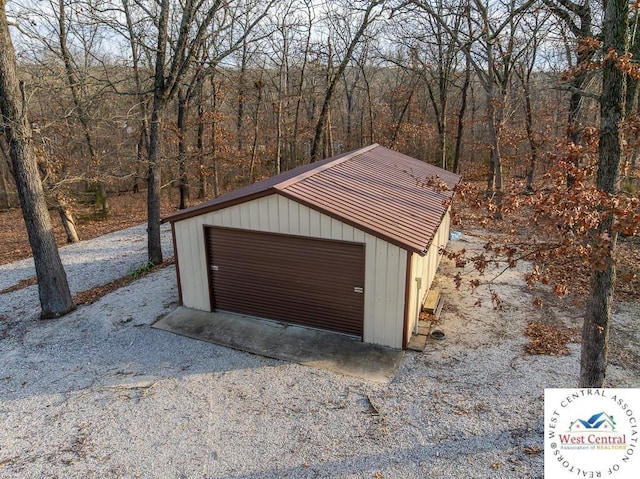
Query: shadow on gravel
(107, 343)
(435, 459)
(128, 356)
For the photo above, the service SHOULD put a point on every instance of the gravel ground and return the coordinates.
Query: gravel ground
(99, 393)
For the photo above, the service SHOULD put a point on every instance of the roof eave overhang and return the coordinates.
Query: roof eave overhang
(203, 209)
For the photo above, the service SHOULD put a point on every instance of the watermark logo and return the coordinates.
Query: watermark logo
(591, 433)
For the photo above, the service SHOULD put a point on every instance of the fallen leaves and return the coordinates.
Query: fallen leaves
(92, 295)
(531, 450)
(7, 461)
(23, 283)
(125, 210)
(545, 338)
(372, 409)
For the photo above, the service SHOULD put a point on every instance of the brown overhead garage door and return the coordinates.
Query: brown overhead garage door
(307, 281)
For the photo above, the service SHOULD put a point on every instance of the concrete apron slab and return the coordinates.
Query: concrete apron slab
(310, 347)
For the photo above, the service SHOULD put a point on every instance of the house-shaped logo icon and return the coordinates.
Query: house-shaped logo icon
(600, 422)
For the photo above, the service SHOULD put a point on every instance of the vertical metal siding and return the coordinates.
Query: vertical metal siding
(425, 267)
(383, 319)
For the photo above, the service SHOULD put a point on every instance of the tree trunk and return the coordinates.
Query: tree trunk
(154, 244)
(583, 56)
(528, 109)
(154, 185)
(370, 140)
(494, 180)
(57, 197)
(349, 132)
(256, 131)
(5, 172)
(53, 289)
(349, 91)
(574, 130)
(68, 222)
(442, 141)
(101, 198)
(293, 161)
(241, 94)
(283, 92)
(142, 149)
(141, 153)
(461, 112)
(322, 119)
(440, 110)
(80, 107)
(494, 153)
(214, 137)
(183, 181)
(595, 332)
(279, 132)
(405, 108)
(492, 123)
(328, 142)
(5, 189)
(202, 170)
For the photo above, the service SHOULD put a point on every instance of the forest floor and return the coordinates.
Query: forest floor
(125, 210)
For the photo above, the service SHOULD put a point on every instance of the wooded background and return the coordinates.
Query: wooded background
(249, 89)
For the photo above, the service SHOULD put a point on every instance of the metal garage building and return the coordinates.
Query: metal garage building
(348, 244)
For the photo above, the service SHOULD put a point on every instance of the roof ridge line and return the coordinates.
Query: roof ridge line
(307, 174)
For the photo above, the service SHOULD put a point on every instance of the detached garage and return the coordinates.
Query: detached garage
(349, 244)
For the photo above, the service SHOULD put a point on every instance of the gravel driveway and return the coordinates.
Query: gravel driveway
(99, 393)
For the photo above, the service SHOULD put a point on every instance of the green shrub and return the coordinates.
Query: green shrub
(145, 267)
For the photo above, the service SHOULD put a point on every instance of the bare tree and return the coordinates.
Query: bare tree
(175, 51)
(295, 140)
(461, 113)
(495, 33)
(368, 16)
(134, 41)
(57, 32)
(287, 23)
(578, 17)
(597, 318)
(55, 297)
(436, 51)
(524, 71)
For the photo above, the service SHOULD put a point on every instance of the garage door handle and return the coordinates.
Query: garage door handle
(214, 267)
(357, 289)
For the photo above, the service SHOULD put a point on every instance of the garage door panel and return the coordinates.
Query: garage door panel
(300, 280)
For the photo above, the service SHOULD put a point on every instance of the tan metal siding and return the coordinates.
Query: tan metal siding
(193, 273)
(384, 269)
(425, 267)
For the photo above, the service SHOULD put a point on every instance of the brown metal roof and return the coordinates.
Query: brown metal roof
(373, 189)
